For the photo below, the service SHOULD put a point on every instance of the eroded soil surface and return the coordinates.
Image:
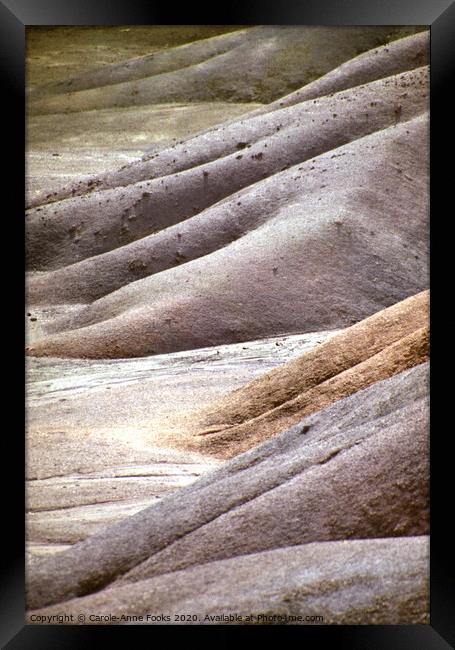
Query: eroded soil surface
(227, 322)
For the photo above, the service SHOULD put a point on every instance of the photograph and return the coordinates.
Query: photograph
(227, 249)
(227, 318)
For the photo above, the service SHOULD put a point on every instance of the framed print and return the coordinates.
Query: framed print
(227, 315)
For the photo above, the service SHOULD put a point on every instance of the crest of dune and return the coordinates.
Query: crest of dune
(260, 62)
(387, 60)
(357, 469)
(294, 245)
(216, 472)
(378, 347)
(254, 228)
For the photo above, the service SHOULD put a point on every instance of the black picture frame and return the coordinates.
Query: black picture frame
(15, 16)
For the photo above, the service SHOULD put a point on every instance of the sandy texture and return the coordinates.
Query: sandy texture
(154, 63)
(66, 509)
(56, 54)
(356, 469)
(64, 232)
(358, 252)
(74, 147)
(362, 582)
(228, 323)
(253, 64)
(389, 59)
(404, 54)
(138, 396)
(237, 233)
(95, 449)
(376, 348)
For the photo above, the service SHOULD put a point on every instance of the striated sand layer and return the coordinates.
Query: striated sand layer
(319, 260)
(361, 582)
(259, 63)
(357, 469)
(95, 446)
(263, 255)
(378, 347)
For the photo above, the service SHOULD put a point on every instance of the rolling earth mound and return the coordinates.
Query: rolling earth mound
(316, 247)
(227, 243)
(357, 469)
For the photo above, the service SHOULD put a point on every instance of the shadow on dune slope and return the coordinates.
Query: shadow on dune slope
(356, 469)
(376, 348)
(255, 64)
(391, 59)
(325, 245)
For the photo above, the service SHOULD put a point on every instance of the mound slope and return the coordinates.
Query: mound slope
(64, 232)
(357, 469)
(387, 583)
(308, 214)
(391, 59)
(326, 244)
(376, 348)
(257, 64)
(158, 62)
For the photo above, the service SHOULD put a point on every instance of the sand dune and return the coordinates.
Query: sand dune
(392, 58)
(158, 62)
(376, 348)
(261, 63)
(103, 422)
(404, 54)
(297, 271)
(64, 232)
(241, 236)
(267, 451)
(362, 582)
(69, 52)
(356, 469)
